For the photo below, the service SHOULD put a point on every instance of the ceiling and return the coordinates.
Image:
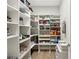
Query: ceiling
(45, 2)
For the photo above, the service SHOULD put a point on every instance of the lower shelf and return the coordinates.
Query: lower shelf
(23, 40)
(45, 44)
(12, 36)
(44, 36)
(33, 35)
(25, 52)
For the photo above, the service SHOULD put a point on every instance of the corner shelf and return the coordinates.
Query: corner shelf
(25, 52)
(23, 40)
(33, 35)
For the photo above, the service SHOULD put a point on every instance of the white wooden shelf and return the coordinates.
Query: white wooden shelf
(11, 8)
(63, 44)
(34, 21)
(55, 35)
(12, 23)
(24, 15)
(44, 35)
(46, 44)
(12, 36)
(44, 24)
(25, 52)
(24, 26)
(33, 35)
(34, 28)
(56, 22)
(17, 10)
(55, 18)
(23, 40)
(44, 39)
(12, 12)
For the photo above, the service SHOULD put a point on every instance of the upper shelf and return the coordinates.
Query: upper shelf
(24, 15)
(12, 23)
(44, 35)
(23, 40)
(13, 3)
(11, 8)
(23, 6)
(12, 36)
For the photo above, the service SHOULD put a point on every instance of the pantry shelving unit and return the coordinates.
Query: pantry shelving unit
(34, 28)
(21, 41)
(23, 53)
(34, 25)
(34, 32)
(25, 42)
(24, 31)
(18, 30)
(12, 29)
(49, 31)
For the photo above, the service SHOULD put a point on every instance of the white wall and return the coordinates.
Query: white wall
(46, 10)
(65, 15)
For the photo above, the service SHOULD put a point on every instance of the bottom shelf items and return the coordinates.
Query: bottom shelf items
(25, 48)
